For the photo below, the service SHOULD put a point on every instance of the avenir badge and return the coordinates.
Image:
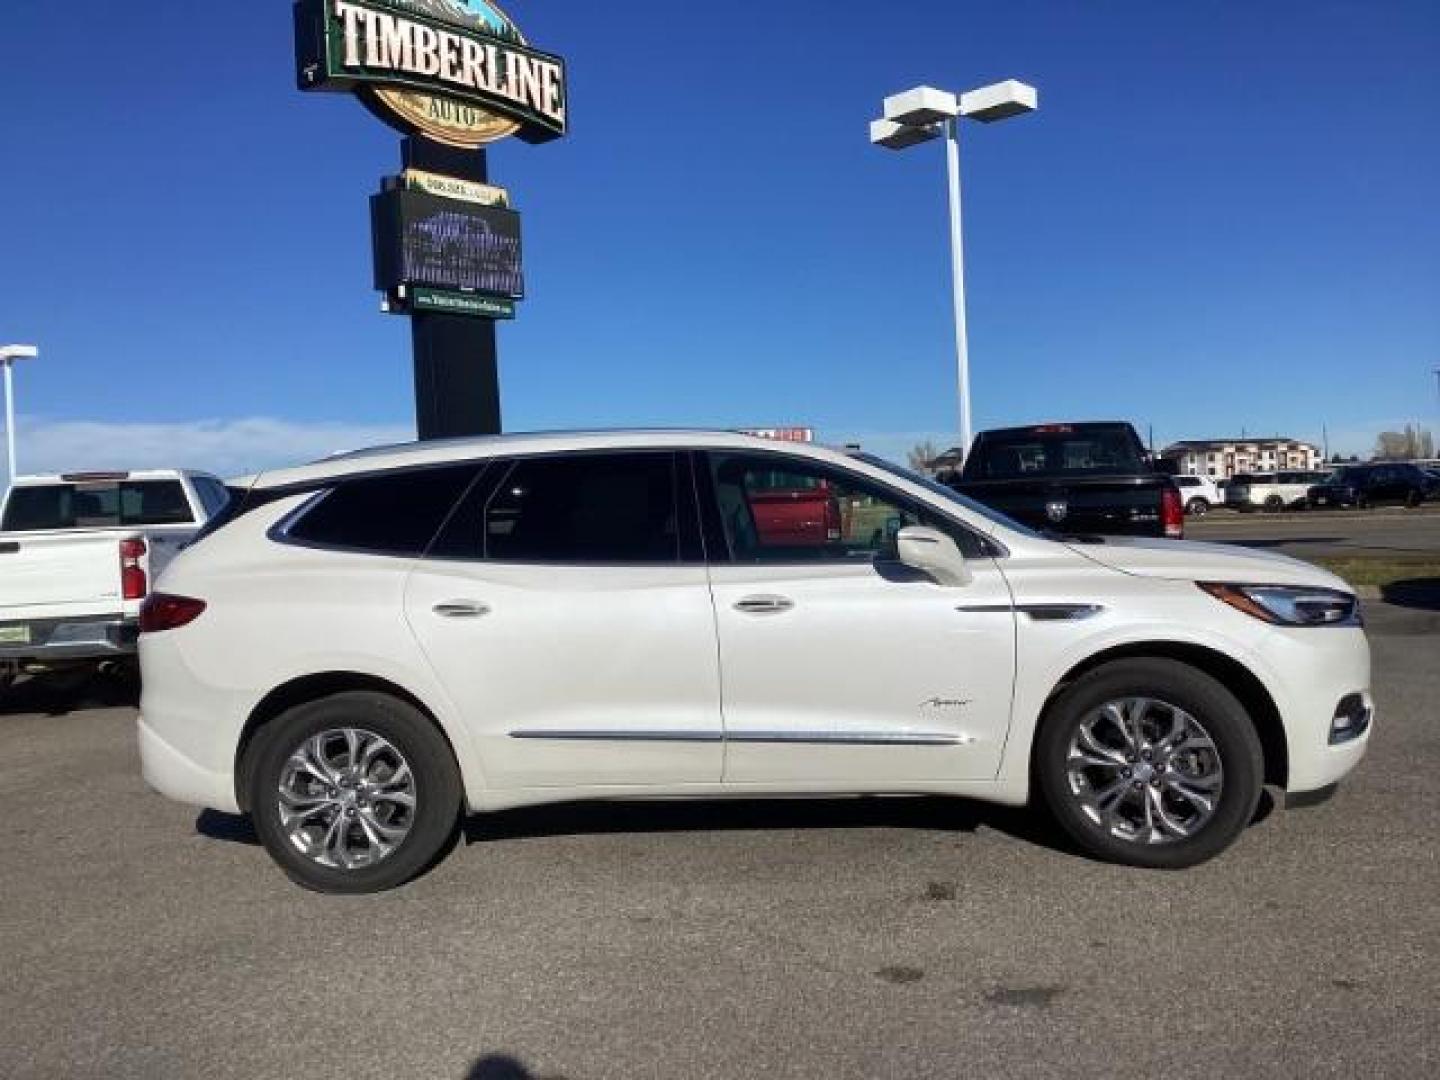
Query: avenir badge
(455, 71)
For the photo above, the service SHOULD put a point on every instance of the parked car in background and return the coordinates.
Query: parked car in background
(78, 554)
(1091, 478)
(368, 648)
(1199, 494)
(1271, 491)
(1362, 486)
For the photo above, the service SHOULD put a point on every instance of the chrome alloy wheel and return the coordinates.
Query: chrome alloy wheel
(347, 799)
(1145, 771)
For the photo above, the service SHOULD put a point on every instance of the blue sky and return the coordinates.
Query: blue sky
(1223, 217)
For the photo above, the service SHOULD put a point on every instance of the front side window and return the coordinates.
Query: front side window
(775, 509)
(618, 508)
(393, 514)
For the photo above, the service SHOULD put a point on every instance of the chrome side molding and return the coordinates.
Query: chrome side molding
(817, 738)
(1037, 612)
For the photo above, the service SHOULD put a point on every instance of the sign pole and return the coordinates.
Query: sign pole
(457, 360)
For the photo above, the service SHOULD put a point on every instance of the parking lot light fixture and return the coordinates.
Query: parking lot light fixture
(925, 113)
(8, 355)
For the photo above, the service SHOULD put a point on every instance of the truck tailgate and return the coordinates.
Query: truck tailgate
(1101, 505)
(46, 575)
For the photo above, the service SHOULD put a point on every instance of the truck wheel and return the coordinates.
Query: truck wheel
(1197, 508)
(354, 793)
(1413, 499)
(1274, 504)
(1150, 763)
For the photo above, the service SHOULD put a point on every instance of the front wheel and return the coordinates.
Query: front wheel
(1274, 504)
(1150, 763)
(354, 793)
(1197, 508)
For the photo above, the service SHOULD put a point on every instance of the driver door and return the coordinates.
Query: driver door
(838, 665)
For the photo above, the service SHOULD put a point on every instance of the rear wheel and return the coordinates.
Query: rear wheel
(1274, 504)
(1151, 763)
(1413, 499)
(355, 793)
(1197, 507)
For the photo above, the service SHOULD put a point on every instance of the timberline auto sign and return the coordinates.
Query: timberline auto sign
(456, 71)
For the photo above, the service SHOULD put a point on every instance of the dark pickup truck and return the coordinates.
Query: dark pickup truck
(1085, 479)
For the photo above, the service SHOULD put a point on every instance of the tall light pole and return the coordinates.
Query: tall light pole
(922, 114)
(8, 355)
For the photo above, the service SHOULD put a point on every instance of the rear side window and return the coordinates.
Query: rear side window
(214, 496)
(100, 505)
(394, 514)
(579, 509)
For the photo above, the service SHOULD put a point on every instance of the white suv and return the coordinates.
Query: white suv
(1272, 491)
(365, 649)
(1198, 494)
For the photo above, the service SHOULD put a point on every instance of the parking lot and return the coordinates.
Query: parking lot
(846, 938)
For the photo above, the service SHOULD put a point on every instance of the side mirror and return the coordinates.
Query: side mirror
(932, 552)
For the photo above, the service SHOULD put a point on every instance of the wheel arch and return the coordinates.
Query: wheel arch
(1224, 669)
(308, 688)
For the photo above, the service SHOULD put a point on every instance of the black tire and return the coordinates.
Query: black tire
(1413, 499)
(1274, 504)
(1197, 507)
(438, 788)
(1218, 712)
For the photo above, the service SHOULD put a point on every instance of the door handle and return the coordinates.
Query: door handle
(765, 605)
(462, 609)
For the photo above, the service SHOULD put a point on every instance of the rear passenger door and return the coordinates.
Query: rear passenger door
(566, 608)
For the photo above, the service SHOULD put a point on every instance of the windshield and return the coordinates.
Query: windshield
(948, 494)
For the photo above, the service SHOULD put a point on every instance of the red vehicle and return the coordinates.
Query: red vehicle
(790, 515)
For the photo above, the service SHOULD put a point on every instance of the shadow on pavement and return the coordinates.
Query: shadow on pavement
(730, 815)
(720, 815)
(1421, 593)
(1287, 541)
(503, 1067)
(930, 813)
(232, 828)
(63, 693)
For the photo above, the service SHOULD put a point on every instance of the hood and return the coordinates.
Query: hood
(1184, 560)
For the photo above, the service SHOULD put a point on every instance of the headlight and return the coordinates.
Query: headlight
(1286, 605)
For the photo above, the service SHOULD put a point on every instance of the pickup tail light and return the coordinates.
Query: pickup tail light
(133, 583)
(163, 612)
(1172, 513)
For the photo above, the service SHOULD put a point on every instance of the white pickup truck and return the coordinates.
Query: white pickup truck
(78, 554)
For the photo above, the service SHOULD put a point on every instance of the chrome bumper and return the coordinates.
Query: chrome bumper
(71, 639)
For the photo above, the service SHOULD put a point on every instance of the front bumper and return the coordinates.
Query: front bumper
(42, 640)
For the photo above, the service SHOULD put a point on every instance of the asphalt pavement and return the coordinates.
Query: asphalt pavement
(1389, 532)
(836, 939)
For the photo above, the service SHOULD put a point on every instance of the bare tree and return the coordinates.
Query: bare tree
(922, 454)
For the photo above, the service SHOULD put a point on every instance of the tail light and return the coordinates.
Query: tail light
(163, 612)
(133, 585)
(1172, 514)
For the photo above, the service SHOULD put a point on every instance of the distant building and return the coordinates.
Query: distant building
(1224, 458)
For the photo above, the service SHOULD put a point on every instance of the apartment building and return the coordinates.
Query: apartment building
(1224, 458)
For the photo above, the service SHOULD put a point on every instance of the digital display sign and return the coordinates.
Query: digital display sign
(426, 240)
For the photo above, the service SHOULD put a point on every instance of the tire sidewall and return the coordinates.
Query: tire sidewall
(414, 735)
(1174, 683)
(1198, 508)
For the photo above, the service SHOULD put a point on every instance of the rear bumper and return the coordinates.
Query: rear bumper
(179, 777)
(70, 639)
